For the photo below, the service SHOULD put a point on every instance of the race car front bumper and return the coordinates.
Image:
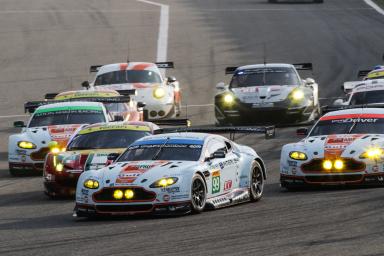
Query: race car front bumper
(56, 185)
(171, 208)
(351, 179)
(26, 168)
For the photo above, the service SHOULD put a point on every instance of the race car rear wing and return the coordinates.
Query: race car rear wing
(303, 66)
(51, 96)
(168, 64)
(127, 92)
(269, 131)
(95, 68)
(31, 106)
(363, 73)
(230, 70)
(172, 122)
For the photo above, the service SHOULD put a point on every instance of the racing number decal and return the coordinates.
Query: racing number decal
(215, 182)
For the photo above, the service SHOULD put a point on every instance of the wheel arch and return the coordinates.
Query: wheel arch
(262, 165)
(203, 177)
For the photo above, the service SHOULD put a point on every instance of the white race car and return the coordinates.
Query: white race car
(376, 73)
(267, 93)
(344, 147)
(161, 96)
(173, 173)
(52, 122)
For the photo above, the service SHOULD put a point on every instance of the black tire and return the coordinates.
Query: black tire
(198, 194)
(256, 186)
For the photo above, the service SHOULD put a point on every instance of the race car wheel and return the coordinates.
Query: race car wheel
(198, 194)
(256, 182)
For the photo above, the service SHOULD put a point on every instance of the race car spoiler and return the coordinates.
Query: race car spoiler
(51, 96)
(31, 106)
(172, 122)
(269, 131)
(166, 64)
(363, 73)
(326, 109)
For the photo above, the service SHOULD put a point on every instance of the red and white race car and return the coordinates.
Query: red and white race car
(161, 95)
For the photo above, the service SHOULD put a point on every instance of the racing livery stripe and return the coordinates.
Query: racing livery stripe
(68, 108)
(115, 127)
(171, 141)
(324, 118)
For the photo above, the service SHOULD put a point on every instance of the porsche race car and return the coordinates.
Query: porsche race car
(344, 147)
(88, 150)
(161, 96)
(174, 173)
(376, 73)
(52, 122)
(267, 94)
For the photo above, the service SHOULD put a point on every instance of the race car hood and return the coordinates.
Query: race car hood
(338, 145)
(263, 94)
(41, 136)
(134, 173)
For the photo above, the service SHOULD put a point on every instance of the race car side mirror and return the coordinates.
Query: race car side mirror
(309, 81)
(218, 154)
(302, 131)
(141, 104)
(221, 86)
(112, 156)
(85, 84)
(338, 102)
(118, 118)
(171, 79)
(18, 124)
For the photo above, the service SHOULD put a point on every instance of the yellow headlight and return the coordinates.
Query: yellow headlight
(158, 93)
(92, 184)
(128, 194)
(327, 164)
(59, 167)
(55, 150)
(118, 194)
(26, 145)
(338, 164)
(373, 153)
(298, 95)
(297, 155)
(163, 182)
(228, 99)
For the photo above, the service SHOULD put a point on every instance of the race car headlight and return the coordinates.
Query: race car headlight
(297, 95)
(90, 183)
(373, 153)
(158, 93)
(338, 164)
(118, 194)
(164, 182)
(26, 145)
(60, 167)
(297, 155)
(229, 99)
(327, 164)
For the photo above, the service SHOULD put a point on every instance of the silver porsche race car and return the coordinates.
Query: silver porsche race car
(174, 173)
(267, 94)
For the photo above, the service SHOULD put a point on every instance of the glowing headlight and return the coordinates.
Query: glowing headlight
(373, 153)
(297, 95)
(60, 167)
(118, 194)
(297, 155)
(158, 93)
(164, 182)
(228, 99)
(128, 194)
(26, 145)
(90, 183)
(327, 164)
(55, 150)
(338, 164)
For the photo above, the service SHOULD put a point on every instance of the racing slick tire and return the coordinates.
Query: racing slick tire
(198, 194)
(256, 187)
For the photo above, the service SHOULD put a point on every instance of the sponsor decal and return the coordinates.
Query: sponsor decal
(375, 168)
(115, 127)
(350, 117)
(226, 163)
(175, 197)
(215, 182)
(292, 163)
(62, 134)
(23, 158)
(336, 144)
(131, 172)
(171, 190)
(227, 185)
(294, 170)
(166, 198)
(84, 191)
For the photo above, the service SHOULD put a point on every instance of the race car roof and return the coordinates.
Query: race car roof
(192, 136)
(354, 111)
(369, 85)
(376, 73)
(78, 104)
(128, 66)
(268, 65)
(86, 93)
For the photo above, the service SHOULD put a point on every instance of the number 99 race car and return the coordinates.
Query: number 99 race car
(161, 96)
(267, 94)
(174, 173)
(344, 147)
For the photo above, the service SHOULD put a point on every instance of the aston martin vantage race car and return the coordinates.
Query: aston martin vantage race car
(52, 122)
(161, 96)
(88, 150)
(267, 94)
(376, 73)
(174, 173)
(128, 111)
(344, 147)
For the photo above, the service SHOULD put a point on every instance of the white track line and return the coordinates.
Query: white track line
(375, 6)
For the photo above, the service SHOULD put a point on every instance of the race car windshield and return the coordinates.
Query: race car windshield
(115, 107)
(67, 117)
(264, 76)
(106, 139)
(359, 125)
(169, 151)
(128, 76)
(369, 97)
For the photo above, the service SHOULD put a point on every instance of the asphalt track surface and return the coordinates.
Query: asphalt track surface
(48, 45)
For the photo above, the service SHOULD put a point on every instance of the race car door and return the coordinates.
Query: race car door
(223, 171)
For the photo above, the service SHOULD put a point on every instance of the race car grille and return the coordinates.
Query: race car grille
(40, 154)
(124, 208)
(139, 195)
(316, 166)
(335, 178)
